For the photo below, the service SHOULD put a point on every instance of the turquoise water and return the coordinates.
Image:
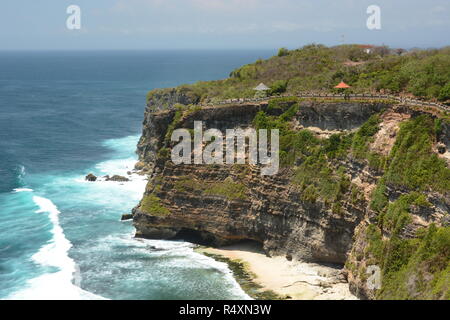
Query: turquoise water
(63, 115)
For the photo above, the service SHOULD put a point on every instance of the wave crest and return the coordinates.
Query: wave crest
(54, 285)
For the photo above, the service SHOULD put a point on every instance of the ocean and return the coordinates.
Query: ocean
(64, 115)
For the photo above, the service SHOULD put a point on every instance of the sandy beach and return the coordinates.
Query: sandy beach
(288, 279)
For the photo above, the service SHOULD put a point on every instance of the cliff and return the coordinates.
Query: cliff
(362, 183)
(268, 210)
(343, 195)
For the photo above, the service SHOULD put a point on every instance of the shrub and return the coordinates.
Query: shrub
(397, 215)
(283, 52)
(444, 93)
(187, 184)
(229, 189)
(281, 104)
(417, 268)
(164, 153)
(413, 164)
(362, 138)
(278, 87)
(379, 198)
(180, 110)
(152, 204)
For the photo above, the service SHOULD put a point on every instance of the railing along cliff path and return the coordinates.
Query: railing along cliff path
(402, 100)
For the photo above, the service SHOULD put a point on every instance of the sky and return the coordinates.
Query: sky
(220, 24)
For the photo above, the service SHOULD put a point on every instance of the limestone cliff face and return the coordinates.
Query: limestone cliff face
(156, 123)
(224, 204)
(270, 211)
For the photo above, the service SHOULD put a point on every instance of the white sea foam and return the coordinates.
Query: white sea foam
(54, 285)
(188, 257)
(22, 172)
(23, 190)
(123, 165)
(59, 285)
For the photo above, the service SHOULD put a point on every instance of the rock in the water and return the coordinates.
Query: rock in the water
(117, 178)
(127, 216)
(90, 177)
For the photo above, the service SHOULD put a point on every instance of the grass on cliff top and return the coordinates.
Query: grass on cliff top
(424, 73)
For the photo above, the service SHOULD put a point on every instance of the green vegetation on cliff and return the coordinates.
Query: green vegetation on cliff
(314, 161)
(228, 188)
(152, 204)
(412, 163)
(412, 268)
(423, 73)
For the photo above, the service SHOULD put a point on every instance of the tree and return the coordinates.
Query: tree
(444, 94)
(278, 87)
(381, 51)
(400, 51)
(283, 52)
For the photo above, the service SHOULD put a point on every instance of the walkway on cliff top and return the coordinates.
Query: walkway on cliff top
(368, 97)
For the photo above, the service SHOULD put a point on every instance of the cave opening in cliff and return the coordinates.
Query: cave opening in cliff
(208, 239)
(198, 237)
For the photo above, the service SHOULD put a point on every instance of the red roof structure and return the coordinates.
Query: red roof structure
(366, 46)
(342, 85)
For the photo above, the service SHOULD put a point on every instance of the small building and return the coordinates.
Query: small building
(261, 90)
(342, 85)
(262, 87)
(342, 88)
(367, 48)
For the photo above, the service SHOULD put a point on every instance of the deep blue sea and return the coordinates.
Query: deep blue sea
(66, 114)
